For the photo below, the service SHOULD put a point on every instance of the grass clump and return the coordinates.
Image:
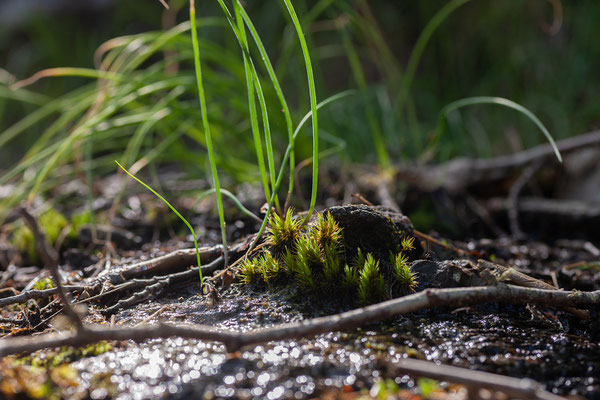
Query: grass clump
(314, 259)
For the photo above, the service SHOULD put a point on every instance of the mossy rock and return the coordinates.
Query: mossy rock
(354, 253)
(374, 229)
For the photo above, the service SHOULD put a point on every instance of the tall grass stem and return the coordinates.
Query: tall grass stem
(205, 123)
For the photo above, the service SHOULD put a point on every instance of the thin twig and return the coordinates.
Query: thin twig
(36, 294)
(455, 297)
(447, 246)
(49, 257)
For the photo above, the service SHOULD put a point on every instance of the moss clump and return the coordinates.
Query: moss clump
(51, 223)
(370, 284)
(63, 355)
(283, 232)
(315, 259)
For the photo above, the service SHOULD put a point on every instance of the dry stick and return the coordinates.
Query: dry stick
(158, 283)
(517, 387)
(168, 262)
(362, 199)
(513, 195)
(156, 265)
(49, 257)
(36, 294)
(447, 246)
(455, 297)
(521, 279)
(456, 175)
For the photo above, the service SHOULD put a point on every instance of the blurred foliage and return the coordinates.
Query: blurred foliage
(525, 51)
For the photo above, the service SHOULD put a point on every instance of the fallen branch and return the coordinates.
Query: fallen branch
(516, 387)
(172, 262)
(456, 297)
(456, 175)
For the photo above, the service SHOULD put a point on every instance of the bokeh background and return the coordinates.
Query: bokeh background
(543, 54)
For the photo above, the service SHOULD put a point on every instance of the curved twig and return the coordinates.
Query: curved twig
(456, 297)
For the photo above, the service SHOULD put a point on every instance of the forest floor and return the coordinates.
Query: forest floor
(134, 269)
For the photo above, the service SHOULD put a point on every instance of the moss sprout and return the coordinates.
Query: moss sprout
(269, 267)
(403, 273)
(350, 279)
(249, 271)
(332, 265)
(371, 285)
(327, 232)
(283, 232)
(407, 243)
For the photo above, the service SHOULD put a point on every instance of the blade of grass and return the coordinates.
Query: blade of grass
(469, 101)
(235, 200)
(287, 154)
(415, 58)
(66, 71)
(241, 36)
(176, 213)
(359, 78)
(206, 125)
(313, 107)
(286, 111)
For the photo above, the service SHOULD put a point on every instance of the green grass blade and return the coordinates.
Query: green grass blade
(176, 213)
(233, 198)
(359, 78)
(469, 101)
(241, 36)
(313, 107)
(67, 71)
(287, 154)
(286, 111)
(417, 53)
(205, 123)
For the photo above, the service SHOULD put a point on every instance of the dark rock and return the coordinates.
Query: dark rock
(445, 274)
(376, 230)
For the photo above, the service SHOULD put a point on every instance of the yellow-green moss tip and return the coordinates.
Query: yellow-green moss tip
(327, 232)
(283, 232)
(371, 286)
(407, 243)
(403, 273)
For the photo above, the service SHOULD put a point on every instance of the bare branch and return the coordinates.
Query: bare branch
(456, 297)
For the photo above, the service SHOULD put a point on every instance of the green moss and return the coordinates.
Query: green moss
(43, 283)
(284, 232)
(327, 232)
(63, 355)
(314, 259)
(403, 273)
(249, 271)
(370, 286)
(407, 243)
